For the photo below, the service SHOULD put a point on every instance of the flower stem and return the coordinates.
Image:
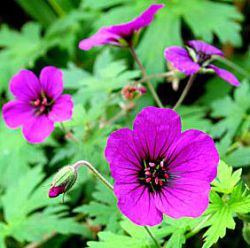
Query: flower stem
(185, 91)
(158, 75)
(110, 187)
(95, 172)
(57, 8)
(152, 236)
(234, 66)
(144, 74)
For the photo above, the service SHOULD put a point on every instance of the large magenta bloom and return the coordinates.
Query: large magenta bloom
(198, 56)
(38, 104)
(114, 34)
(158, 169)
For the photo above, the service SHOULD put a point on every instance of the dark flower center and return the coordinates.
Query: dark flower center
(202, 58)
(155, 175)
(42, 104)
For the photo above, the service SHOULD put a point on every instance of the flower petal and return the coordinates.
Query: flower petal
(15, 113)
(181, 60)
(201, 46)
(137, 203)
(154, 131)
(193, 156)
(112, 34)
(226, 75)
(143, 20)
(122, 156)
(51, 80)
(38, 128)
(102, 37)
(61, 109)
(25, 86)
(186, 198)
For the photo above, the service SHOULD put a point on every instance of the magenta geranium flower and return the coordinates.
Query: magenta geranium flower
(38, 103)
(197, 56)
(160, 170)
(115, 33)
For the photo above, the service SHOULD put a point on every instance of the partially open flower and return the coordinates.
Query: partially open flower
(121, 34)
(63, 181)
(196, 58)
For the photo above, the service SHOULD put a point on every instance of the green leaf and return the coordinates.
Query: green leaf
(233, 111)
(39, 10)
(20, 49)
(16, 155)
(226, 178)
(103, 209)
(21, 200)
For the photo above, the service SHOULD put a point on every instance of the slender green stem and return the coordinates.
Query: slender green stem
(110, 187)
(197, 228)
(144, 74)
(57, 8)
(152, 236)
(185, 91)
(158, 75)
(95, 172)
(234, 66)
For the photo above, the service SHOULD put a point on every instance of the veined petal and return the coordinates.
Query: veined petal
(16, 113)
(154, 131)
(205, 48)
(121, 153)
(38, 128)
(193, 156)
(226, 75)
(51, 80)
(25, 86)
(181, 60)
(61, 109)
(138, 204)
(184, 198)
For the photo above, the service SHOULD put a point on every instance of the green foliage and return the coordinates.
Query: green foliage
(228, 198)
(20, 202)
(103, 209)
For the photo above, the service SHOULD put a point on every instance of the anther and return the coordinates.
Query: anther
(151, 164)
(148, 180)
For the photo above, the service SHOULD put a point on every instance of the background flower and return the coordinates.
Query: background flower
(113, 34)
(198, 56)
(157, 169)
(38, 103)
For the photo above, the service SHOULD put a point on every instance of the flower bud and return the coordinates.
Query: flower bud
(63, 181)
(130, 92)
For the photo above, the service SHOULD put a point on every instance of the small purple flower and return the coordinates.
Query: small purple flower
(160, 170)
(38, 103)
(197, 56)
(115, 33)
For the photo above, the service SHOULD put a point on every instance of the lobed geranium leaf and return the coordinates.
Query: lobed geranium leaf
(103, 209)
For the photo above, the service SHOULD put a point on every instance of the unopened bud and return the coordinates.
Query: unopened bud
(63, 181)
(129, 92)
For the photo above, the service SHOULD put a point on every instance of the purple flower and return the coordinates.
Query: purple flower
(114, 34)
(38, 103)
(159, 169)
(198, 56)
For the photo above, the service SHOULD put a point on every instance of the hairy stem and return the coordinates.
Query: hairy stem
(144, 74)
(95, 172)
(110, 187)
(185, 92)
